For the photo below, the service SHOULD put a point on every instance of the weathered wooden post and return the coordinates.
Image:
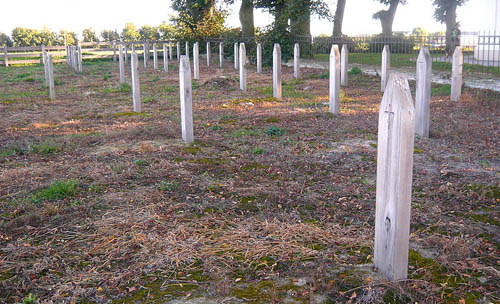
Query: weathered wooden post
(394, 179)
(125, 50)
(221, 54)
(186, 96)
(187, 50)
(136, 86)
(344, 62)
(114, 50)
(386, 66)
(50, 70)
(296, 61)
(243, 69)
(178, 51)
(277, 71)
(146, 55)
(236, 52)
(259, 58)
(423, 92)
(170, 53)
(334, 98)
(45, 67)
(42, 50)
(80, 58)
(121, 63)
(196, 61)
(5, 56)
(165, 57)
(456, 74)
(155, 57)
(208, 53)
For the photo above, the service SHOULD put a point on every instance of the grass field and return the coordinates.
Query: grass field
(273, 203)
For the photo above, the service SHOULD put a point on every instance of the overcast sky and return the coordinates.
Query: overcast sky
(113, 14)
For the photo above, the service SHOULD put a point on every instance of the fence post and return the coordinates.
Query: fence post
(146, 54)
(170, 53)
(80, 58)
(423, 92)
(394, 179)
(196, 60)
(344, 62)
(6, 57)
(165, 57)
(155, 57)
(386, 65)
(296, 61)
(187, 50)
(45, 68)
(259, 58)
(42, 49)
(277, 71)
(236, 54)
(136, 86)
(456, 74)
(114, 51)
(243, 70)
(50, 70)
(178, 51)
(334, 96)
(221, 54)
(125, 51)
(121, 63)
(208, 53)
(186, 97)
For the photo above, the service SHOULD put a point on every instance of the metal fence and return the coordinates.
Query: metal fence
(481, 49)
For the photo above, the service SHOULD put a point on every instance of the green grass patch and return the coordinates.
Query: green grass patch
(58, 190)
(275, 131)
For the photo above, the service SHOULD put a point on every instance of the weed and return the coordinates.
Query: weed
(244, 132)
(275, 131)
(215, 128)
(58, 190)
(354, 71)
(30, 299)
(167, 185)
(258, 151)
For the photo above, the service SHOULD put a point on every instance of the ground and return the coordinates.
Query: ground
(273, 203)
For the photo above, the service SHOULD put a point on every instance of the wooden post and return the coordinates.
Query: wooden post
(155, 57)
(114, 51)
(80, 58)
(334, 98)
(196, 61)
(146, 54)
(296, 61)
(186, 97)
(386, 66)
(456, 74)
(243, 69)
(221, 54)
(42, 49)
(277, 71)
(136, 86)
(45, 67)
(259, 58)
(178, 51)
(121, 63)
(187, 50)
(170, 53)
(165, 57)
(125, 50)
(236, 60)
(208, 53)
(423, 92)
(344, 62)
(50, 70)
(394, 179)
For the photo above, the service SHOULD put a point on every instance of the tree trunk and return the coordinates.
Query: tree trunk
(338, 18)
(280, 21)
(387, 18)
(452, 31)
(246, 18)
(300, 21)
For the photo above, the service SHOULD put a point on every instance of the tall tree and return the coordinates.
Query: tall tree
(89, 35)
(386, 17)
(130, 33)
(5, 40)
(446, 12)
(109, 35)
(198, 18)
(338, 18)
(246, 18)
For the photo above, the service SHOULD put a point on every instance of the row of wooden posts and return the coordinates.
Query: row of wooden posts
(399, 119)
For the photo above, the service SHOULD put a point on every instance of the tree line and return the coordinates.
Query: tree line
(205, 18)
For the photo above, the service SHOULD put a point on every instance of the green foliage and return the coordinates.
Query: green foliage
(442, 8)
(149, 33)
(167, 185)
(44, 148)
(30, 299)
(30, 37)
(130, 33)
(58, 190)
(354, 71)
(258, 151)
(109, 35)
(5, 40)
(197, 19)
(89, 35)
(167, 31)
(275, 131)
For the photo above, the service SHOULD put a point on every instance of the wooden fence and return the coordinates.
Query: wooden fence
(90, 50)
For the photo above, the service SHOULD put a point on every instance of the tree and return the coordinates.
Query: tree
(89, 35)
(70, 38)
(167, 31)
(25, 37)
(246, 18)
(109, 35)
(130, 33)
(446, 12)
(338, 18)
(5, 40)
(149, 33)
(198, 18)
(387, 16)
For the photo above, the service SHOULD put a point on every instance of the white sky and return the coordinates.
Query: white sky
(113, 14)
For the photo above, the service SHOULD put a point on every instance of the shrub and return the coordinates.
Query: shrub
(275, 131)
